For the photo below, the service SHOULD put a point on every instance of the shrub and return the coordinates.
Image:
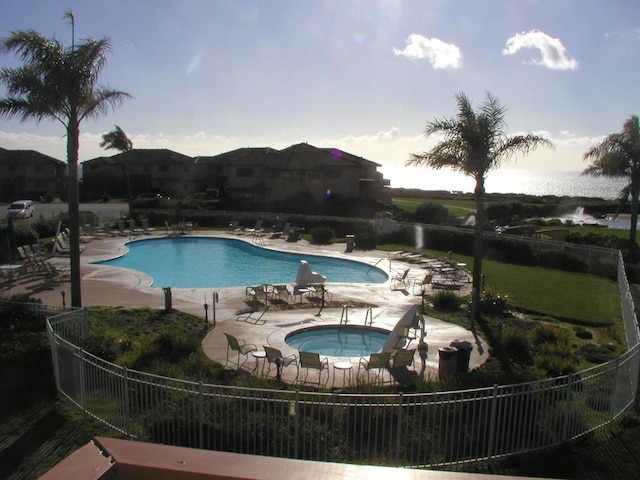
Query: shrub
(101, 345)
(595, 353)
(446, 301)
(583, 333)
(493, 302)
(44, 228)
(562, 261)
(515, 344)
(431, 213)
(322, 235)
(366, 237)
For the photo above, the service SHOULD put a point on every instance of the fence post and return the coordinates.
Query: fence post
(614, 392)
(201, 414)
(296, 424)
(399, 427)
(567, 408)
(81, 374)
(127, 406)
(492, 422)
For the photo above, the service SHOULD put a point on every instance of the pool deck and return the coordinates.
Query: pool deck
(105, 285)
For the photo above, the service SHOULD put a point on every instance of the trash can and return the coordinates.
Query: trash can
(464, 354)
(167, 299)
(351, 242)
(448, 362)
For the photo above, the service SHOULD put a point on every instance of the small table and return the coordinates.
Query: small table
(344, 366)
(259, 355)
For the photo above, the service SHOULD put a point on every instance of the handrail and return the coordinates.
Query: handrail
(368, 316)
(344, 317)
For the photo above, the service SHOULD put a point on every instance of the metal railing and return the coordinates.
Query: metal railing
(421, 429)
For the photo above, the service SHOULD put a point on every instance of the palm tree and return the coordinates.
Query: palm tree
(58, 83)
(116, 139)
(475, 143)
(618, 156)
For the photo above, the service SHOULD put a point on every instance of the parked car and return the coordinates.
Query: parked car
(21, 209)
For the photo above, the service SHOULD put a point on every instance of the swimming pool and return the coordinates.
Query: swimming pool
(338, 341)
(200, 262)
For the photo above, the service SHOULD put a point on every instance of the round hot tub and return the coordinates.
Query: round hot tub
(338, 340)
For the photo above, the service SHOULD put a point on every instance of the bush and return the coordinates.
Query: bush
(446, 301)
(322, 235)
(431, 213)
(493, 302)
(515, 344)
(562, 261)
(101, 345)
(366, 237)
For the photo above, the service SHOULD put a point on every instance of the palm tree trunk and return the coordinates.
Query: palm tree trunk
(477, 250)
(73, 201)
(635, 193)
(129, 193)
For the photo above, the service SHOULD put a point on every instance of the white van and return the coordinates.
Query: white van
(21, 209)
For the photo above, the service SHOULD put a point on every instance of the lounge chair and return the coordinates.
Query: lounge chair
(122, 229)
(145, 226)
(256, 229)
(283, 292)
(422, 283)
(400, 279)
(309, 360)
(402, 358)
(377, 361)
(240, 346)
(275, 356)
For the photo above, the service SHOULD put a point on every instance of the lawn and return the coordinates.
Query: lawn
(575, 297)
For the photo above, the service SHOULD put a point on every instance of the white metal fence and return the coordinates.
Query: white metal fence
(425, 429)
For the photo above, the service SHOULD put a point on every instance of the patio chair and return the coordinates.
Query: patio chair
(402, 358)
(422, 283)
(276, 357)
(309, 360)
(240, 346)
(400, 279)
(283, 292)
(377, 361)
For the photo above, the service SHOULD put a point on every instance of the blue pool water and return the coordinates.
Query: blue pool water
(198, 262)
(346, 341)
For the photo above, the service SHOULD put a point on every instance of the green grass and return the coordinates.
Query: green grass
(575, 297)
(457, 208)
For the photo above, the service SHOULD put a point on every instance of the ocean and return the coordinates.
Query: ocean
(530, 182)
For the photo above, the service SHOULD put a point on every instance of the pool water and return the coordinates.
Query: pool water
(338, 341)
(199, 262)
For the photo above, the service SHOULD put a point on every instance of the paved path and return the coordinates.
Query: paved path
(104, 285)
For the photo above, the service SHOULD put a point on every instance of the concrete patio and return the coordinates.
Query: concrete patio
(105, 285)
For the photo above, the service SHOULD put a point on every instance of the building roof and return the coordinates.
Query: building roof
(144, 155)
(25, 156)
(301, 155)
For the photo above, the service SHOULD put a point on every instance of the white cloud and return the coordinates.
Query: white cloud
(387, 147)
(554, 55)
(441, 55)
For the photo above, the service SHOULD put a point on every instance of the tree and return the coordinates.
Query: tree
(475, 143)
(116, 139)
(618, 156)
(58, 83)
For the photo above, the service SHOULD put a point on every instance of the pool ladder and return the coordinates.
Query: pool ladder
(344, 318)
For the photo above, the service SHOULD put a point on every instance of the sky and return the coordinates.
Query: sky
(209, 76)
